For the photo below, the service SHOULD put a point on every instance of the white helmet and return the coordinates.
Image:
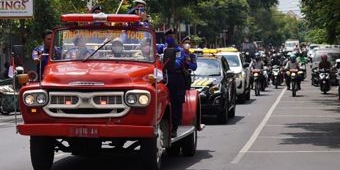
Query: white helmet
(337, 60)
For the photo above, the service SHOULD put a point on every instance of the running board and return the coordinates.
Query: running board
(182, 132)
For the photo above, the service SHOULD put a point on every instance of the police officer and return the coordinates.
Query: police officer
(139, 9)
(292, 64)
(190, 63)
(96, 9)
(38, 51)
(175, 79)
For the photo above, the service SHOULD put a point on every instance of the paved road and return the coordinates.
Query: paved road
(271, 131)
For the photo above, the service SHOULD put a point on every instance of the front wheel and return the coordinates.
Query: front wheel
(189, 144)
(257, 88)
(339, 91)
(42, 152)
(152, 152)
(294, 88)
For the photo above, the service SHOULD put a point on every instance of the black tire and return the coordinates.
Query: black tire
(231, 113)
(189, 144)
(222, 117)
(294, 88)
(276, 82)
(3, 111)
(151, 154)
(174, 150)
(257, 88)
(42, 152)
(248, 94)
(241, 98)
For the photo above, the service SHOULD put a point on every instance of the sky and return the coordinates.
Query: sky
(289, 5)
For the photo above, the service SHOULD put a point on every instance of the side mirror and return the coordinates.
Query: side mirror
(229, 74)
(246, 64)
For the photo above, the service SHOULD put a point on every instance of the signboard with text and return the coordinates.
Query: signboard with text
(16, 9)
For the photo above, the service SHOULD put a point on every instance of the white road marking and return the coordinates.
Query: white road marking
(252, 139)
(300, 137)
(322, 151)
(311, 116)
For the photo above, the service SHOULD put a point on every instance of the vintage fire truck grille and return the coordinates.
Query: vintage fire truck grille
(108, 99)
(86, 104)
(72, 100)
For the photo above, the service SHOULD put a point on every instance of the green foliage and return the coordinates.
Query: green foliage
(213, 23)
(316, 36)
(325, 15)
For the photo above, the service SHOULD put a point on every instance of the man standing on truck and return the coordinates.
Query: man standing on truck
(175, 79)
(43, 49)
(190, 63)
(139, 9)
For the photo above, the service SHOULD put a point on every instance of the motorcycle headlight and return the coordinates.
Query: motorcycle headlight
(35, 98)
(256, 74)
(137, 98)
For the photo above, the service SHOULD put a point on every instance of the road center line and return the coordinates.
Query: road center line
(258, 130)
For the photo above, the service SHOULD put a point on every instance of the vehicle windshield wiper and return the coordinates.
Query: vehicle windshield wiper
(95, 51)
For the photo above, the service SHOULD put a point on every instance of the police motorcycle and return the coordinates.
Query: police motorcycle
(277, 77)
(295, 77)
(259, 81)
(324, 80)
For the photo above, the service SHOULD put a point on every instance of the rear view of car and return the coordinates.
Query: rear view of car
(216, 85)
(242, 74)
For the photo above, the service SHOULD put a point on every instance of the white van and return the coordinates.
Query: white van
(290, 45)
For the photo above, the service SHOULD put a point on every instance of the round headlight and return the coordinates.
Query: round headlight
(29, 99)
(143, 99)
(41, 98)
(131, 99)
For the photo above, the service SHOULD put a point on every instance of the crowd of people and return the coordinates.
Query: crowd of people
(296, 59)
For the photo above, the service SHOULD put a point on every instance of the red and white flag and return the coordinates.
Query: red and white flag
(11, 68)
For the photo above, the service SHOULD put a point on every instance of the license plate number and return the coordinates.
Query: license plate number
(84, 132)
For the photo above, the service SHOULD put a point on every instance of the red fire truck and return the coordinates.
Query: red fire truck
(92, 99)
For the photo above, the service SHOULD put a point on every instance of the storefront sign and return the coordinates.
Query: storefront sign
(16, 9)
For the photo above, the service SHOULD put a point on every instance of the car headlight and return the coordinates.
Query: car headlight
(35, 98)
(214, 89)
(137, 98)
(240, 75)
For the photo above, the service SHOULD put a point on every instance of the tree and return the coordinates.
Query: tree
(324, 15)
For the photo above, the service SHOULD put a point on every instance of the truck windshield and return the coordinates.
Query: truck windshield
(109, 44)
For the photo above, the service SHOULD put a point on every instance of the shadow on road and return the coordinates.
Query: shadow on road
(318, 134)
(211, 120)
(127, 162)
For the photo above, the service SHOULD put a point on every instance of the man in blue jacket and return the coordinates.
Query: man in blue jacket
(175, 77)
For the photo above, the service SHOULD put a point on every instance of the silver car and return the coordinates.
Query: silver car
(242, 73)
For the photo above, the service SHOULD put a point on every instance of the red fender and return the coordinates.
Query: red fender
(191, 108)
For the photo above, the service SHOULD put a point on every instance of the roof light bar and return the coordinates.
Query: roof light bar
(101, 17)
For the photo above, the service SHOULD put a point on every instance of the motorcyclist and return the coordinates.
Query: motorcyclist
(324, 63)
(337, 64)
(292, 64)
(259, 64)
(275, 60)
